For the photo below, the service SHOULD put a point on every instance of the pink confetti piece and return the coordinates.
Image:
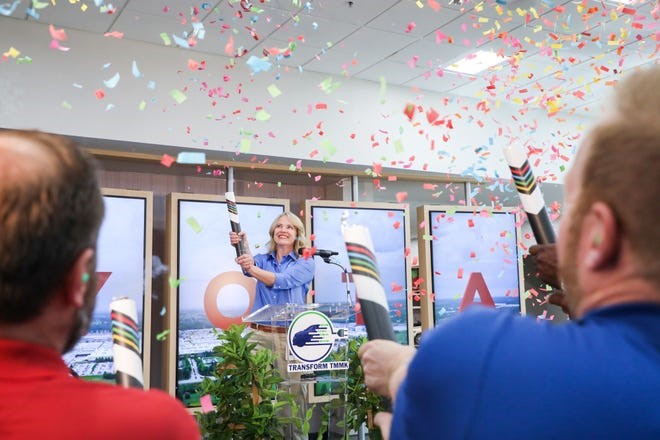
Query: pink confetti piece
(57, 34)
(207, 405)
(401, 196)
(114, 34)
(167, 160)
(459, 275)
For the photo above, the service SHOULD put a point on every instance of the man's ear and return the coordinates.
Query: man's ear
(78, 277)
(602, 236)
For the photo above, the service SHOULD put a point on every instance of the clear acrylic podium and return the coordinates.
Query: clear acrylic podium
(310, 343)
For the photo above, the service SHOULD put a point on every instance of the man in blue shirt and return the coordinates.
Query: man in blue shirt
(489, 375)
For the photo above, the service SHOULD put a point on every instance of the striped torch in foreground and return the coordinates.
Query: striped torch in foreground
(530, 194)
(126, 343)
(230, 198)
(370, 292)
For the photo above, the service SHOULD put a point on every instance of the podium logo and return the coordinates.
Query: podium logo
(311, 336)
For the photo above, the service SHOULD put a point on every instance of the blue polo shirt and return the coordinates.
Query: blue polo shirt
(488, 375)
(293, 276)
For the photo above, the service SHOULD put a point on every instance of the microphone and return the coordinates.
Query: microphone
(320, 252)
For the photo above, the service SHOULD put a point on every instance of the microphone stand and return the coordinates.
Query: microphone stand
(348, 289)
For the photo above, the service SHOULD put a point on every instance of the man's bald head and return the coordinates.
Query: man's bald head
(50, 211)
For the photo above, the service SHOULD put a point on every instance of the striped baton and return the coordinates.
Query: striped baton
(126, 343)
(233, 220)
(370, 292)
(530, 194)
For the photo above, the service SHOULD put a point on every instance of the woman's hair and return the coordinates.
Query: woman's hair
(301, 239)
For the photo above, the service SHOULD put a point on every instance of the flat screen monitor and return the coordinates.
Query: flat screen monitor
(469, 256)
(390, 234)
(123, 269)
(207, 289)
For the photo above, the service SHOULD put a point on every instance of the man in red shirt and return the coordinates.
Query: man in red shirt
(50, 212)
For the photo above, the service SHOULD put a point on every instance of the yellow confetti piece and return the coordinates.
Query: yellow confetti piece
(178, 96)
(142, 105)
(83, 7)
(246, 146)
(194, 224)
(419, 4)
(274, 91)
(12, 52)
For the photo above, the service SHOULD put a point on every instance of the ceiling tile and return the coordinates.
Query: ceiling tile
(176, 9)
(301, 54)
(408, 18)
(71, 16)
(392, 71)
(439, 83)
(136, 25)
(316, 32)
(359, 51)
(431, 55)
(358, 12)
(247, 29)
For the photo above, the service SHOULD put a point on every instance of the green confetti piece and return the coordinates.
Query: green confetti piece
(328, 147)
(142, 105)
(194, 225)
(383, 89)
(452, 210)
(292, 167)
(279, 184)
(562, 168)
(427, 237)
(24, 60)
(66, 105)
(174, 283)
(165, 38)
(162, 335)
(329, 86)
(178, 96)
(262, 115)
(246, 145)
(274, 91)
(398, 146)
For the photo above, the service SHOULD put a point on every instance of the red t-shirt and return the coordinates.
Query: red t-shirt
(39, 399)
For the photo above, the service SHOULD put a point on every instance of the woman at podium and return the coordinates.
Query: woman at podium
(283, 276)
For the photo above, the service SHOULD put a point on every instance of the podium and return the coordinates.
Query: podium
(310, 343)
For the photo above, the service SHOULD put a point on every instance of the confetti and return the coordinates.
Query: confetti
(274, 91)
(167, 160)
(189, 157)
(135, 71)
(194, 225)
(207, 405)
(162, 335)
(178, 96)
(112, 82)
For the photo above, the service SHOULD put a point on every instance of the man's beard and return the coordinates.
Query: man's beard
(84, 315)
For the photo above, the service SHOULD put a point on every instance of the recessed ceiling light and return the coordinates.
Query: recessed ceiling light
(476, 62)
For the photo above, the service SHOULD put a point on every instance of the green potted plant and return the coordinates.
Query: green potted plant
(248, 401)
(359, 403)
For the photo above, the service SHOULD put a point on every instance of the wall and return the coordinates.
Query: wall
(56, 92)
